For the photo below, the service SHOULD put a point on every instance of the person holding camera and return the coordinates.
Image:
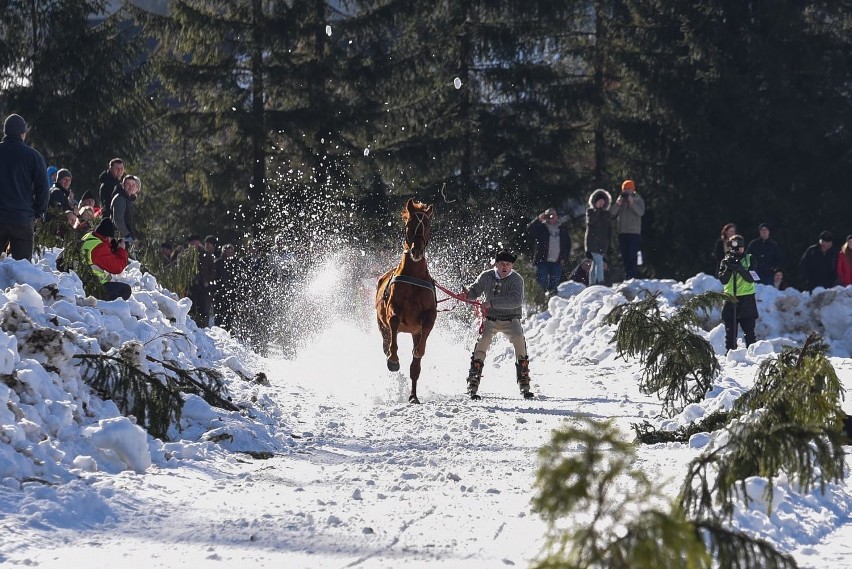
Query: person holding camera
(738, 280)
(106, 257)
(552, 247)
(628, 210)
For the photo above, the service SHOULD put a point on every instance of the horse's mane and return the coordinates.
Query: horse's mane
(419, 206)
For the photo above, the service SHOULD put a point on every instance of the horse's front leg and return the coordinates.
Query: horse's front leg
(393, 356)
(414, 369)
(427, 323)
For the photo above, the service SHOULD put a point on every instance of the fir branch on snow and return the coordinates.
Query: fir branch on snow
(735, 550)
(204, 382)
(791, 422)
(155, 404)
(154, 399)
(588, 470)
(678, 364)
(646, 433)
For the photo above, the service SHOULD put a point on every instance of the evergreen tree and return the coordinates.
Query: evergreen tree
(476, 98)
(255, 103)
(739, 115)
(77, 75)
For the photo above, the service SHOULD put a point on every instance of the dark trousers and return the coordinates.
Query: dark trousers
(629, 245)
(114, 290)
(19, 239)
(548, 274)
(743, 313)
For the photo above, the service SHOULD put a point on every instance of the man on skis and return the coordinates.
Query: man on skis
(503, 289)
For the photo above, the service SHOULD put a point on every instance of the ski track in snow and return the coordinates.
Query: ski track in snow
(370, 481)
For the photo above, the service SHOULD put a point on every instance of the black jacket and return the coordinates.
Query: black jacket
(110, 185)
(817, 268)
(765, 258)
(23, 182)
(538, 231)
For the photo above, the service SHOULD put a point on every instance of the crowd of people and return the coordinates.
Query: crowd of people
(223, 284)
(824, 264)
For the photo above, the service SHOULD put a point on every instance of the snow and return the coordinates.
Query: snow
(343, 472)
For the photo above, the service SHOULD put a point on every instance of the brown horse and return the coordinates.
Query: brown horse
(405, 296)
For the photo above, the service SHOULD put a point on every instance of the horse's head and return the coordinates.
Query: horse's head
(418, 228)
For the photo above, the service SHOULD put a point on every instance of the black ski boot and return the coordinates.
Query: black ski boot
(522, 369)
(473, 377)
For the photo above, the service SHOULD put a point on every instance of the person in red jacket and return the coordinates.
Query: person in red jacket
(107, 256)
(844, 263)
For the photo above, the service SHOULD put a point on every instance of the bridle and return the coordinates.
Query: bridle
(421, 230)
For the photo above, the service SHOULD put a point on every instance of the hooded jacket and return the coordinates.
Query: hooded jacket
(598, 224)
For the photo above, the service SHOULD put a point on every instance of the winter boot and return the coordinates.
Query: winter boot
(523, 371)
(473, 377)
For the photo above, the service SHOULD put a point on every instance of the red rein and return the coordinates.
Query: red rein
(477, 306)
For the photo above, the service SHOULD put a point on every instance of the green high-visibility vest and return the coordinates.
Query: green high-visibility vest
(743, 286)
(90, 241)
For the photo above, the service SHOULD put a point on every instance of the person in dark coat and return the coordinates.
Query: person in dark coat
(765, 255)
(598, 234)
(110, 180)
(818, 265)
(24, 189)
(552, 248)
(61, 195)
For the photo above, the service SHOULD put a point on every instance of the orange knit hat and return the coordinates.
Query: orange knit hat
(628, 185)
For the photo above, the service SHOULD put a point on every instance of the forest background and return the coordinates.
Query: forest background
(263, 118)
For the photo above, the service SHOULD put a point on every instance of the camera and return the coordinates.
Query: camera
(731, 258)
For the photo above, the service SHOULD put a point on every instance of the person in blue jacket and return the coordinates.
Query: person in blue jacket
(24, 190)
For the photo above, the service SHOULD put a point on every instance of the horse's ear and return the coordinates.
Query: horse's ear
(409, 205)
(428, 212)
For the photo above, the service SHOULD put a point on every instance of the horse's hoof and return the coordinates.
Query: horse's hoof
(393, 366)
(413, 400)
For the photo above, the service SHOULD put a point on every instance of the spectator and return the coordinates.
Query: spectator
(721, 248)
(598, 234)
(111, 183)
(211, 244)
(844, 263)
(628, 210)
(582, 271)
(85, 219)
(503, 289)
(107, 257)
(166, 253)
(200, 288)
(778, 280)
(736, 276)
(818, 265)
(552, 247)
(87, 199)
(122, 208)
(25, 193)
(765, 254)
(225, 292)
(61, 196)
(51, 174)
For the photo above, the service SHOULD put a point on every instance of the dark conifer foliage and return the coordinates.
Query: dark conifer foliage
(478, 98)
(740, 114)
(77, 75)
(255, 94)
